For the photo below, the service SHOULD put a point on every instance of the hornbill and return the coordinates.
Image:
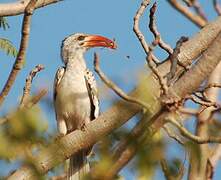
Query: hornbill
(75, 93)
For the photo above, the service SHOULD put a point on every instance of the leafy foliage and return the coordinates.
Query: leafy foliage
(22, 131)
(3, 23)
(8, 47)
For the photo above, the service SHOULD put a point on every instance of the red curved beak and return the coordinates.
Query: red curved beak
(99, 41)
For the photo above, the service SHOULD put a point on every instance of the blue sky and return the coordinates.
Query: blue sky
(113, 19)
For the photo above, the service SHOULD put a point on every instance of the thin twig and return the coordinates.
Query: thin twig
(173, 135)
(29, 104)
(202, 97)
(188, 2)
(154, 69)
(165, 169)
(190, 136)
(217, 7)
(201, 101)
(168, 174)
(158, 41)
(199, 10)
(22, 50)
(153, 28)
(207, 118)
(189, 111)
(213, 161)
(174, 59)
(36, 98)
(27, 88)
(137, 31)
(203, 91)
(213, 85)
(199, 21)
(114, 87)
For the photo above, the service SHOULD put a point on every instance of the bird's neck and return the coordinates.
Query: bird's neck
(76, 63)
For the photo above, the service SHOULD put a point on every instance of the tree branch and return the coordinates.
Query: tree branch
(36, 98)
(18, 7)
(120, 112)
(172, 135)
(197, 20)
(114, 87)
(217, 7)
(199, 10)
(27, 88)
(192, 137)
(210, 59)
(202, 126)
(125, 151)
(22, 50)
(153, 28)
(137, 31)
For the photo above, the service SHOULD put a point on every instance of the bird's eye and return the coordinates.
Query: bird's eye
(80, 38)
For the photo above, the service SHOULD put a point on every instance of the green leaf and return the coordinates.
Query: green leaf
(3, 23)
(8, 47)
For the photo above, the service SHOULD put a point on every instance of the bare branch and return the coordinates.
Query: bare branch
(123, 110)
(197, 20)
(205, 89)
(212, 85)
(155, 71)
(217, 7)
(36, 98)
(173, 135)
(203, 122)
(192, 137)
(174, 59)
(188, 2)
(126, 148)
(158, 41)
(137, 31)
(18, 7)
(209, 59)
(192, 112)
(27, 88)
(153, 28)
(168, 175)
(127, 151)
(213, 161)
(199, 100)
(29, 104)
(114, 87)
(199, 10)
(22, 50)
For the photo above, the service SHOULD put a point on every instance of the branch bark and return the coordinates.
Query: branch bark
(122, 111)
(18, 7)
(203, 68)
(198, 168)
(27, 89)
(196, 19)
(22, 50)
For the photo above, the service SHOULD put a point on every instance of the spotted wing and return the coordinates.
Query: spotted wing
(59, 74)
(93, 94)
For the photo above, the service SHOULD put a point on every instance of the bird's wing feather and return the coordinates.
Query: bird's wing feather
(59, 74)
(93, 94)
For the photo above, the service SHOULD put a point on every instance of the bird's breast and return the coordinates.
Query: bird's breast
(72, 100)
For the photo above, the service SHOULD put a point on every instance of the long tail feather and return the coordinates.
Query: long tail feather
(78, 166)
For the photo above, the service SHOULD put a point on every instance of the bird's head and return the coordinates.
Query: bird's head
(79, 43)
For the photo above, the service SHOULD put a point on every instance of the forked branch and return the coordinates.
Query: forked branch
(22, 50)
